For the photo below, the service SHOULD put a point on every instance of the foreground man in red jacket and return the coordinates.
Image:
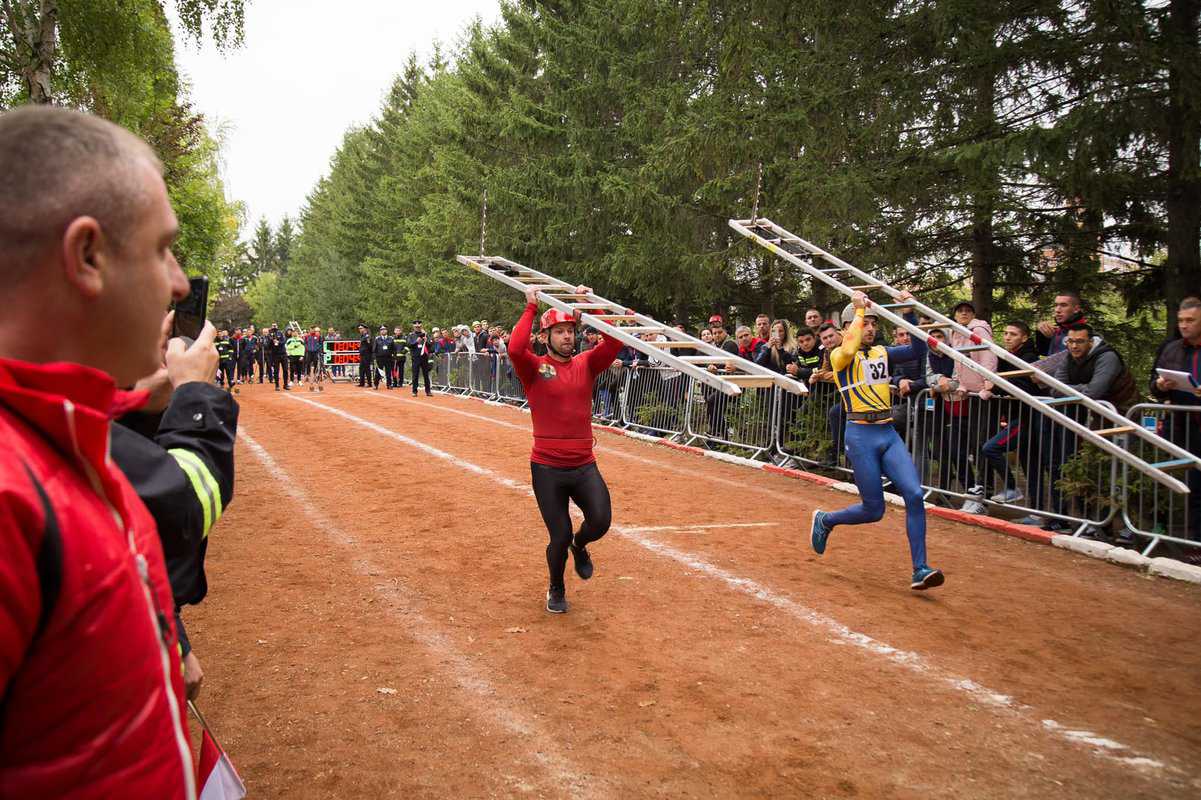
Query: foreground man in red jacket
(91, 690)
(558, 386)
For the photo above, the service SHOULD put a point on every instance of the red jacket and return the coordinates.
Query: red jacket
(91, 693)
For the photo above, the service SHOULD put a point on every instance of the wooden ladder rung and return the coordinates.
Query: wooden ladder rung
(1013, 373)
(866, 286)
(750, 380)
(929, 326)
(670, 345)
(611, 317)
(706, 359)
(1119, 429)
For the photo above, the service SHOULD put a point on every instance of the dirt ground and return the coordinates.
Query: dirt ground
(375, 627)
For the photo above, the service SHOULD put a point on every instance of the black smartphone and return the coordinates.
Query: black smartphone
(191, 312)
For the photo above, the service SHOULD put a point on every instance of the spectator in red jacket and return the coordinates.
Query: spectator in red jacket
(90, 674)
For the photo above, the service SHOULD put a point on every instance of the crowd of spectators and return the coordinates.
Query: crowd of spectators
(978, 448)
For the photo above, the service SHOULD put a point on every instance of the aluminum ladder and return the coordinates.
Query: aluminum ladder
(601, 314)
(807, 255)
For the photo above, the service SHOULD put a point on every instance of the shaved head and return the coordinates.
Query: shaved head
(57, 165)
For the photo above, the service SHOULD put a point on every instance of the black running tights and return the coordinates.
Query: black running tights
(553, 487)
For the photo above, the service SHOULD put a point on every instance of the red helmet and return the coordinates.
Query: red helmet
(553, 316)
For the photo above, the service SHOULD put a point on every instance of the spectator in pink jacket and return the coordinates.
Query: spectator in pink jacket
(971, 431)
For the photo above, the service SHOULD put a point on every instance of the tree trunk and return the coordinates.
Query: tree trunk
(1182, 271)
(984, 249)
(42, 38)
(983, 268)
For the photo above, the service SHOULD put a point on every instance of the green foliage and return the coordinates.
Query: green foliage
(954, 147)
(117, 60)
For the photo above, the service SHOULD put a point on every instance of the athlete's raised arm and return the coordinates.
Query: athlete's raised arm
(523, 359)
(852, 337)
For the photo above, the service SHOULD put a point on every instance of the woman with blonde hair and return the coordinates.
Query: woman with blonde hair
(780, 350)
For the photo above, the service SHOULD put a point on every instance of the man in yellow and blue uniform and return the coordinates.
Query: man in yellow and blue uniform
(861, 371)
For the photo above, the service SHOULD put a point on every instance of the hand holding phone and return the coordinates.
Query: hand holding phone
(191, 312)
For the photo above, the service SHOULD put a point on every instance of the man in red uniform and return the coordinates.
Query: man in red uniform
(558, 386)
(91, 686)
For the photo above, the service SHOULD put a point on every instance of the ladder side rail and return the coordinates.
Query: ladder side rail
(944, 321)
(1053, 413)
(485, 265)
(993, 347)
(481, 265)
(1043, 408)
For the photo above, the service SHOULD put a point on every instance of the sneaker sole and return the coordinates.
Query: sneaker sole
(932, 580)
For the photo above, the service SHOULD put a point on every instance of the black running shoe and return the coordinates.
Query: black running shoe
(583, 562)
(556, 600)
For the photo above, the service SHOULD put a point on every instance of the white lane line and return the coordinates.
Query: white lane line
(691, 528)
(660, 464)
(838, 632)
(539, 744)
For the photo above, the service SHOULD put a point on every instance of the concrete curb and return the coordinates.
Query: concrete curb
(1162, 567)
(1171, 568)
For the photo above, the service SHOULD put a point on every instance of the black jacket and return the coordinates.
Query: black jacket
(384, 347)
(1179, 355)
(1050, 345)
(365, 342)
(1028, 352)
(181, 464)
(275, 343)
(416, 342)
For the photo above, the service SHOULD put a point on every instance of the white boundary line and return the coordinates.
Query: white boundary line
(839, 633)
(600, 448)
(539, 745)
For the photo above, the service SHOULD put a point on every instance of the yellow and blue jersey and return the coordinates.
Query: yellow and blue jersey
(863, 383)
(862, 374)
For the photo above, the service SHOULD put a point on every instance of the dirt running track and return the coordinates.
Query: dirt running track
(381, 542)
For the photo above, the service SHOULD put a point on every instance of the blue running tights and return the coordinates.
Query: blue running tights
(875, 451)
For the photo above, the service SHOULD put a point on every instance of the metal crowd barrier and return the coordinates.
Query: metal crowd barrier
(744, 422)
(1006, 456)
(508, 386)
(998, 452)
(607, 395)
(654, 400)
(458, 372)
(1148, 510)
(810, 429)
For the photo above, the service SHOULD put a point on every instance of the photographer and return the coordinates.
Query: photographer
(178, 452)
(419, 349)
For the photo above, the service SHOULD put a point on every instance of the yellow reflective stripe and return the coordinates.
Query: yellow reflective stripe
(186, 461)
(209, 481)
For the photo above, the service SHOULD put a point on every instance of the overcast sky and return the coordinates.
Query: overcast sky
(309, 70)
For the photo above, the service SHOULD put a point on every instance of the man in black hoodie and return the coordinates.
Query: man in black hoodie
(1018, 429)
(1184, 427)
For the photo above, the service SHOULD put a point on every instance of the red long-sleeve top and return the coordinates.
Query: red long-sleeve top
(560, 395)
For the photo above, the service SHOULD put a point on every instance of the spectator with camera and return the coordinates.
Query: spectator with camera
(419, 352)
(90, 676)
